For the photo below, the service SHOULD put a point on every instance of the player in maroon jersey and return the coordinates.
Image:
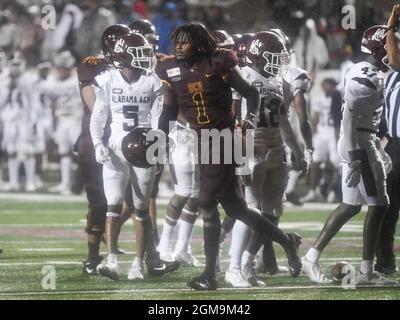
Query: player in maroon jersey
(197, 93)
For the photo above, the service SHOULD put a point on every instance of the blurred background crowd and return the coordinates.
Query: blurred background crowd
(321, 46)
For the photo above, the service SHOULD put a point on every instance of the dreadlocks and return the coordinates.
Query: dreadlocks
(201, 40)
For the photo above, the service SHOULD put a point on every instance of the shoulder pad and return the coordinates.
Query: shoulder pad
(92, 60)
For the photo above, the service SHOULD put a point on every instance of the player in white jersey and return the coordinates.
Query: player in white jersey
(265, 185)
(363, 174)
(17, 118)
(296, 87)
(42, 116)
(325, 143)
(63, 90)
(132, 96)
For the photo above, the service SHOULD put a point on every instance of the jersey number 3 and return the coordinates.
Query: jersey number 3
(131, 116)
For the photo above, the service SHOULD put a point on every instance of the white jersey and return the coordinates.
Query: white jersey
(322, 105)
(68, 103)
(130, 105)
(363, 104)
(298, 80)
(267, 133)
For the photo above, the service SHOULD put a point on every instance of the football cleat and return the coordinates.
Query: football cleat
(90, 266)
(387, 270)
(249, 274)
(157, 267)
(136, 271)
(187, 258)
(109, 270)
(313, 271)
(294, 260)
(374, 279)
(236, 279)
(120, 251)
(203, 283)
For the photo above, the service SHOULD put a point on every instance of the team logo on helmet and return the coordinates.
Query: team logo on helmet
(255, 47)
(119, 46)
(379, 35)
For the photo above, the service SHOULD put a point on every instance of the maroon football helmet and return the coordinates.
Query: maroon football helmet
(285, 39)
(146, 29)
(268, 53)
(110, 37)
(240, 46)
(134, 51)
(374, 43)
(224, 39)
(134, 147)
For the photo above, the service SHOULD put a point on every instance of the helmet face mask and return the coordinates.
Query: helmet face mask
(277, 63)
(134, 51)
(268, 54)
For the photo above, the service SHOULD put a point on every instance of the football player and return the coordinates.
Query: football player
(131, 94)
(264, 187)
(363, 171)
(325, 142)
(64, 92)
(18, 124)
(296, 88)
(197, 93)
(92, 170)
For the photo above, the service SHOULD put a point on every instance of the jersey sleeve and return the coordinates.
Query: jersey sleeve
(301, 84)
(229, 61)
(100, 113)
(89, 69)
(161, 70)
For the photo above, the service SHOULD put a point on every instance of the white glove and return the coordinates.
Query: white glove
(354, 174)
(102, 153)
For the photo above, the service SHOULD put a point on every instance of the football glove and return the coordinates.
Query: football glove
(248, 122)
(353, 174)
(387, 162)
(102, 153)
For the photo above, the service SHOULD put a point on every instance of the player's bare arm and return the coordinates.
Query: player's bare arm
(251, 94)
(300, 106)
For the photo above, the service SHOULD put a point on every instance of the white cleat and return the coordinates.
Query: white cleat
(166, 255)
(374, 279)
(187, 258)
(249, 274)
(313, 271)
(30, 187)
(136, 271)
(235, 279)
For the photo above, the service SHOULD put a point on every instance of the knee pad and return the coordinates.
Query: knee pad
(114, 211)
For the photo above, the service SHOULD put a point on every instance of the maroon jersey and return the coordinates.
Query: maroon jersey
(204, 97)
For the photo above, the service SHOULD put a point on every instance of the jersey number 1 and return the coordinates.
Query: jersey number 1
(131, 115)
(202, 116)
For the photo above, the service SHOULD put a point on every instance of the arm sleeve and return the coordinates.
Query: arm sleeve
(99, 115)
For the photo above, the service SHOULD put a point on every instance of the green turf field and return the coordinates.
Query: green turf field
(34, 234)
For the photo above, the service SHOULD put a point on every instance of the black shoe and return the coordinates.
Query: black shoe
(203, 283)
(292, 254)
(90, 266)
(157, 267)
(294, 199)
(388, 270)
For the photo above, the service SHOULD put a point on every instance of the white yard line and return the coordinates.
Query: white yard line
(141, 291)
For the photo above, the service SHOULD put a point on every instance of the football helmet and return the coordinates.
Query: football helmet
(240, 46)
(134, 51)
(65, 60)
(134, 147)
(285, 39)
(268, 53)
(224, 39)
(110, 37)
(146, 29)
(374, 43)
